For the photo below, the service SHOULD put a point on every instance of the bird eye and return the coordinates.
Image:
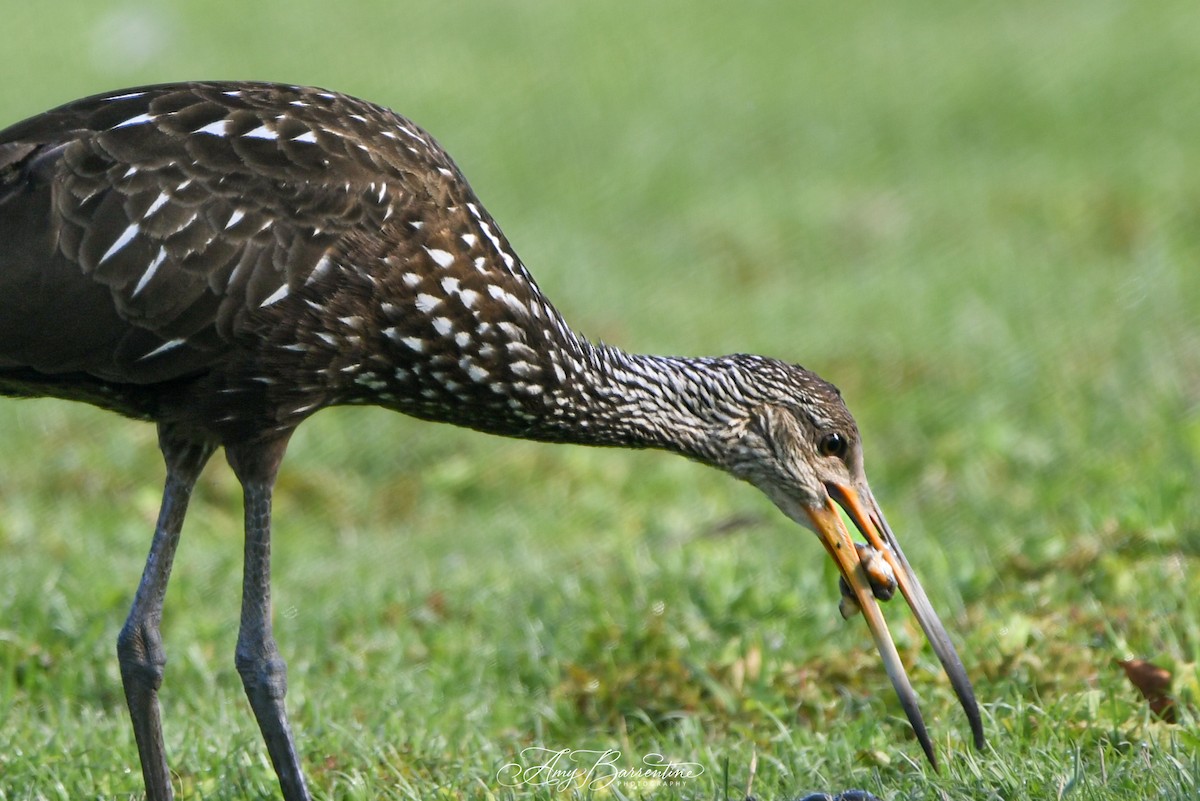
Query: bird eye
(832, 444)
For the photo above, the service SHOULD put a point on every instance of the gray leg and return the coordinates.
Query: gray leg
(139, 646)
(263, 672)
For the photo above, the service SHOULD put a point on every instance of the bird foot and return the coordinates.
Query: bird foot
(879, 574)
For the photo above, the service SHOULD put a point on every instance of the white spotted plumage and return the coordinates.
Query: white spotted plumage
(442, 258)
(150, 271)
(215, 128)
(121, 241)
(276, 296)
(261, 132)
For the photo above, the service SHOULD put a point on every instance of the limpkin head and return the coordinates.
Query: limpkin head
(797, 442)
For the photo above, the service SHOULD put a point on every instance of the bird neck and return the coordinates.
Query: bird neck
(486, 350)
(556, 386)
(609, 397)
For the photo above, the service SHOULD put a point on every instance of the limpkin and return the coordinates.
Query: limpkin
(226, 259)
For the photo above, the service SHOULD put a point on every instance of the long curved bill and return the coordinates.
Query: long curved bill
(869, 520)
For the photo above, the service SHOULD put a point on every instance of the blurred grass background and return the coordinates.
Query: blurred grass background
(981, 221)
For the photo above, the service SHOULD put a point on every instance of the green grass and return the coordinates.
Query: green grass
(981, 221)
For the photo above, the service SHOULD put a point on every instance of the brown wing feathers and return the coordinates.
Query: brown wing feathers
(192, 205)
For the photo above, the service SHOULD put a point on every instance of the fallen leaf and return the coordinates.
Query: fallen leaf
(1154, 683)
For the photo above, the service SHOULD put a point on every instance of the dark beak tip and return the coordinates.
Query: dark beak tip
(977, 735)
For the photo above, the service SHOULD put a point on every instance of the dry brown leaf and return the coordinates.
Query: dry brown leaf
(1154, 683)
